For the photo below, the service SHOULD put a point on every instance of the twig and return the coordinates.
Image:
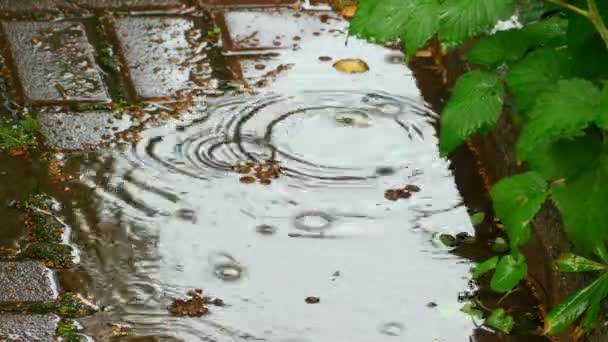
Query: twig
(596, 19)
(571, 7)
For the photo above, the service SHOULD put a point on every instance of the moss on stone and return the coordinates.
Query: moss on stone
(45, 228)
(53, 255)
(66, 330)
(67, 305)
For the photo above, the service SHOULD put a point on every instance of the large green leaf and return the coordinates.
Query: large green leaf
(511, 45)
(421, 25)
(414, 21)
(501, 321)
(534, 74)
(569, 262)
(463, 19)
(568, 311)
(516, 200)
(511, 269)
(561, 112)
(582, 201)
(474, 107)
(565, 158)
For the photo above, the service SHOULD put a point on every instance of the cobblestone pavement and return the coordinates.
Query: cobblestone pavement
(77, 63)
(82, 65)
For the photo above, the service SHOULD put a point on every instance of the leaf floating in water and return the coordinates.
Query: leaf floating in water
(351, 66)
(196, 306)
(313, 300)
(247, 180)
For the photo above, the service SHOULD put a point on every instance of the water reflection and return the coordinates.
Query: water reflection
(320, 163)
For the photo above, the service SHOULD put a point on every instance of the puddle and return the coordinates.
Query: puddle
(170, 214)
(276, 203)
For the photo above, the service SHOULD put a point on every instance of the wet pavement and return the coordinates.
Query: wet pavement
(223, 151)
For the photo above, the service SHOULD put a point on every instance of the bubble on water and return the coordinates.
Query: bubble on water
(313, 221)
(392, 329)
(225, 267)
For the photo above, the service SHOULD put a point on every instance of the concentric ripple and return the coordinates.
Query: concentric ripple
(323, 138)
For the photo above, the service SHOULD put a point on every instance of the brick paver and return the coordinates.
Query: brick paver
(281, 29)
(86, 129)
(27, 281)
(163, 55)
(55, 62)
(28, 328)
(25, 6)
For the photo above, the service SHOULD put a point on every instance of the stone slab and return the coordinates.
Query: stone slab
(24, 6)
(55, 62)
(250, 30)
(26, 282)
(28, 328)
(164, 56)
(76, 131)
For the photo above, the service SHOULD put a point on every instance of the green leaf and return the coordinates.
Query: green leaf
(422, 24)
(511, 45)
(602, 119)
(499, 48)
(582, 202)
(471, 310)
(569, 262)
(477, 218)
(414, 21)
(561, 112)
(463, 19)
(474, 107)
(501, 321)
(548, 33)
(485, 266)
(564, 314)
(565, 158)
(537, 72)
(590, 320)
(509, 272)
(516, 200)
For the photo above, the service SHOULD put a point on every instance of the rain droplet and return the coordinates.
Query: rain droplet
(225, 267)
(392, 329)
(313, 221)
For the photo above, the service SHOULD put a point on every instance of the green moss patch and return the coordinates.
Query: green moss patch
(54, 255)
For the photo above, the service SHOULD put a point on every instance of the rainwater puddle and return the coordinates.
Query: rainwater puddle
(268, 201)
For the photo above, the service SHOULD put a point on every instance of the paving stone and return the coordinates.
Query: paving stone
(28, 328)
(55, 62)
(248, 2)
(27, 281)
(164, 56)
(24, 6)
(75, 131)
(277, 29)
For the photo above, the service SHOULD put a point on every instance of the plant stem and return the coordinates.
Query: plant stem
(571, 7)
(597, 20)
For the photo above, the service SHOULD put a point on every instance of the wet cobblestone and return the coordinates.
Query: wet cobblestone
(25, 282)
(55, 62)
